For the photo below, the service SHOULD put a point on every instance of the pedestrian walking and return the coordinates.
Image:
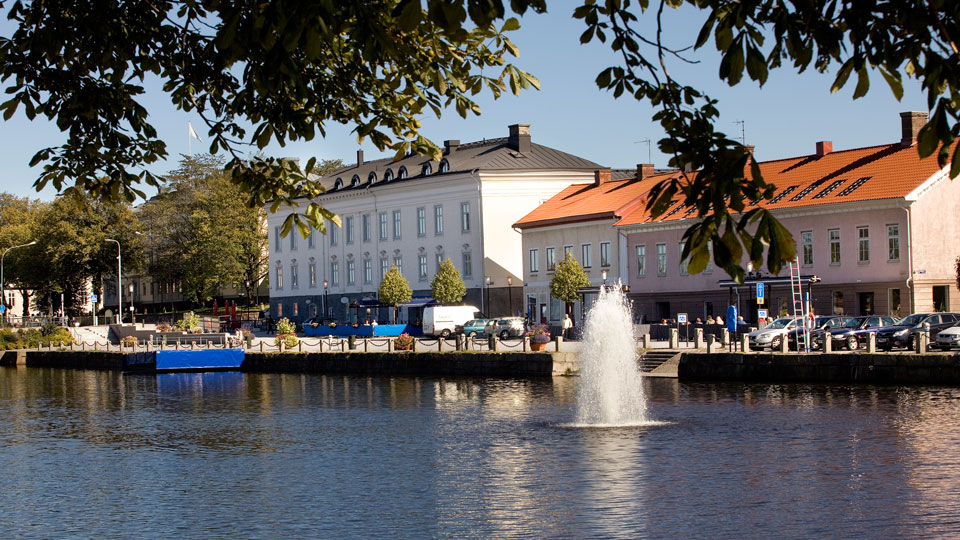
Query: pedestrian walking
(567, 325)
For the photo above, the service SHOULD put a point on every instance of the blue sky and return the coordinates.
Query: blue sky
(783, 119)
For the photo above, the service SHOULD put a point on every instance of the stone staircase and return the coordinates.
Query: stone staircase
(654, 358)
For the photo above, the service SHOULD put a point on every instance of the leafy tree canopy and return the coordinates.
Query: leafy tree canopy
(567, 279)
(290, 68)
(394, 289)
(447, 286)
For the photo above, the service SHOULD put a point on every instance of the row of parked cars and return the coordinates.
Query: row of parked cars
(503, 328)
(851, 332)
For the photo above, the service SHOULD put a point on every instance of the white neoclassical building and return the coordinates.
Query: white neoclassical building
(414, 213)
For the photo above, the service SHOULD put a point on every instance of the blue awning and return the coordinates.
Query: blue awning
(419, 301)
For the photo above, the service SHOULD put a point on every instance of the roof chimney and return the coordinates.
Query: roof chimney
(359, 158)
(644, 170)
(451, 146)
(519, 139)
(824, 148)
(910, 125)
(601, 176)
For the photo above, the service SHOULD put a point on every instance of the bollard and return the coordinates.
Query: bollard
(558, 340)
(492, 343)
(871, 342)
(526, 343)
(783, 344)
(390, 346)
(725, 337)
(827, 343)
(413, 345)
(698, 338)
(674, 339)
(744, 343)
(352, 342)
(922, 343)
(300, 346)
(646, 341)
(366, 345)
(710, 341)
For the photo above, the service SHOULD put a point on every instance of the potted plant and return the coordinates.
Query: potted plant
(539, 337)
(403, 343)
(129, 341)
(164, 327)
(286, 334)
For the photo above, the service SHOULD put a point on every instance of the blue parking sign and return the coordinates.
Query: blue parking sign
(759, 291)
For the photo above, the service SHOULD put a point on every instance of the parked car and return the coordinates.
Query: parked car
(948, 338)
(443, 320)
(473, 327)
(506, 327)
(819, 323)
(853, 333)
(770, 336)
(904, 333)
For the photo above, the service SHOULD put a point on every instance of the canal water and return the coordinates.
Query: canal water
(97, 454)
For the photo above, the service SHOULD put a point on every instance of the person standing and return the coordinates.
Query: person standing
(567, 325)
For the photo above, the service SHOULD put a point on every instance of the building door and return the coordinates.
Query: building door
(531, 307)
(543, 314)
(663, 311)
(940, 300)
(866, 303)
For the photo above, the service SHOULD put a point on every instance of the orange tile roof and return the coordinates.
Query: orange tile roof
(587, 202)
(877, 172)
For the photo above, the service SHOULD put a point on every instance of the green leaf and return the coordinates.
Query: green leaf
(863, 83)
(510, 25)
(842, 76)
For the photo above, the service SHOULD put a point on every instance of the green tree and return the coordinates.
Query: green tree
(17, 215)
(568, 278)
(447, 286)
(394, 290)
(289, 68)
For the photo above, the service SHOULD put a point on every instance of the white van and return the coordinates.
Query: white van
(442, 320)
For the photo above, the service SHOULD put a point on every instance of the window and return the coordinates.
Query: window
(641, 261)
(438, 219)
(277, 238)
(586, 255)
(279, 309)
(838, 302)
(422, 265)
(354, 180)
(894, 302)
(313, 274)
(366, 227)
(661, 259)
(383, 225)
(279, 277)
(551, 259)
(388, 175)
(534, 260)
(310, 239)
(334, 232)
(396, 224)
(684, 263)
(349, 229)
(372, 177)
(421, 221)
(294, 279)
(426, 170)
(465, 217)
(893, 243)
(367, 271)
(834, 236)
(567, 250)
(398, 262)
(384, 267)
(296, 308)
(467, 265)
(351, 272)
(806, 248)
(402, 173)
(444, 166)
(863, 244)
(338, 183)
(334, 273)
(293, 240)
(439, 260)
(604, 253)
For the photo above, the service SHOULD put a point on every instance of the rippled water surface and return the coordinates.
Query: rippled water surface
(103, 455)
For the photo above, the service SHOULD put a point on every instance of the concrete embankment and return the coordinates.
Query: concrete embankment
(543, 364)
(936, 368)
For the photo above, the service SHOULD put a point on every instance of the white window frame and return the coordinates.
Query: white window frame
(351, 272)
(383, 225)
(294, 275)
(334, 233)
(684, 263)
(422, 265)
(397, 225)
(467, 260)
(438, 220)
(293, 240)
(279, 277)
(335, 273)
(550, 257)
(348, 230)
(310, 239)
(398, 262)
(278, 240)
(312, 269)
(365, 226)
(641, 252)
(661, 259)
(806, 248)
(835, 254)
(893, 242)
(605, 254)
(421, 221)
(367, 271)
(586, 255)
(863, 244)
(465, 217)
(534, 260)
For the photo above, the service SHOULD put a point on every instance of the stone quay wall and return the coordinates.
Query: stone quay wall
(934, 368)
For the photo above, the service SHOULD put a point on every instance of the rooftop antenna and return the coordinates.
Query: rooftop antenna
(647, 142)
(743, 137)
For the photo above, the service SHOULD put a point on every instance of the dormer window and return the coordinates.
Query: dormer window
(388, 176)
(427, 169)
(372, 177)
(402, 173)
(338, 183)
(355, 181)
(444, 166)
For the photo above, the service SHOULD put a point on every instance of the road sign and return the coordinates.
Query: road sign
(682, 318)
(759, 293)
(93, 299)
(761, 314)
(3, 309)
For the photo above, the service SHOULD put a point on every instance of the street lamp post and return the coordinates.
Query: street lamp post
(3, 284)
(486, 282)
(119, 285)
(510, 295)
(326, 300)
(132, 294)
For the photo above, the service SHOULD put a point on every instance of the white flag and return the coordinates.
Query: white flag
(193, 133)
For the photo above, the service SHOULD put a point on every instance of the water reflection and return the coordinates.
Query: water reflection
(331, 456)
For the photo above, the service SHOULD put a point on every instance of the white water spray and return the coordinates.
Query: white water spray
(610, 392)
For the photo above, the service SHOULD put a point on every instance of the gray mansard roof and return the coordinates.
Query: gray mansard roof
(488, 155)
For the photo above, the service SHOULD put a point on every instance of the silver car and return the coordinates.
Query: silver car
(770, 336)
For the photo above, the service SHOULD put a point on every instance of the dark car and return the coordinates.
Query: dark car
(853, 333)
(819, 323)
(473, 327)
(905, 332)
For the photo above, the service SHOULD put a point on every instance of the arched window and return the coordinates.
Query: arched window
(402, 173)
(388, 176)
(427, 169)
(372, 177)
(338, 183)
(444, 166)
(355, 180)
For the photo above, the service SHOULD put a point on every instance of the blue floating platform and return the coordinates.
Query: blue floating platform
(185, 360)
